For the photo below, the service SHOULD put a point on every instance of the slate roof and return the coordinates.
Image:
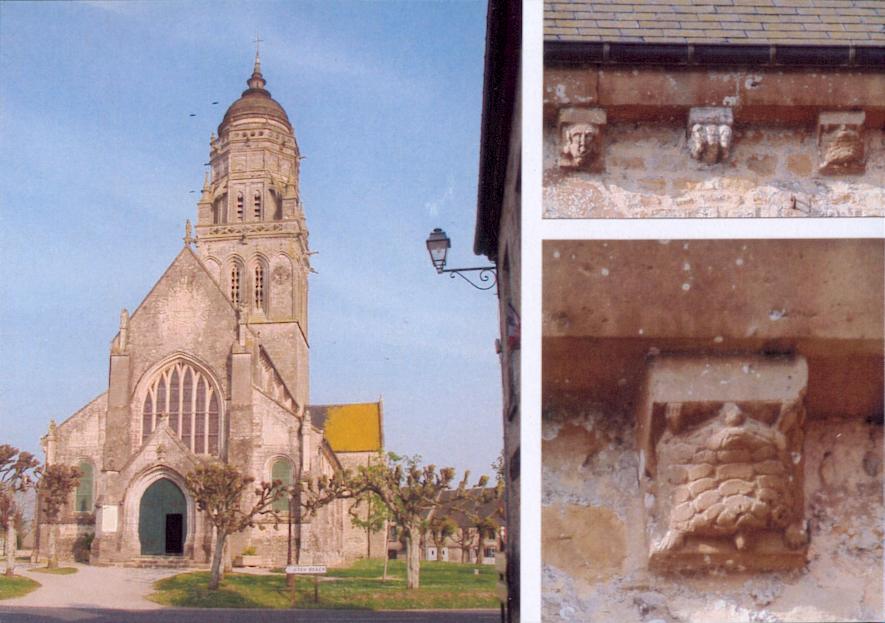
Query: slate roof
(483, 502)
(778, 22)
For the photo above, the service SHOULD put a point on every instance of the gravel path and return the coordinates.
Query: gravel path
(92, 587)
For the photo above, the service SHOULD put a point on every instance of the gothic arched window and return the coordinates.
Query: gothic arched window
(83, 501)
(256, 203)
(282, 471)
(236, 276)
(260, 301)
(189, 399)
(239, 206)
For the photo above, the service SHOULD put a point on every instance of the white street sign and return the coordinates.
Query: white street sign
(305, 569)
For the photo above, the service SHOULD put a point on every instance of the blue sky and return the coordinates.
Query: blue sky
(100, 157)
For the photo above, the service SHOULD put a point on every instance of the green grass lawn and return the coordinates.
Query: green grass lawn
(56, 570)
(16, 586)
(443, 585)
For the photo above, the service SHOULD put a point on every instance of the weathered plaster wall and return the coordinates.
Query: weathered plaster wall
(610, 308)
(771, 172)
(594, 549)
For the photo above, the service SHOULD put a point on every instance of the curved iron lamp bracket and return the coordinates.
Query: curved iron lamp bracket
(487, 275)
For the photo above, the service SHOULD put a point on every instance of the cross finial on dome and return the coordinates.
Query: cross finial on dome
(258, 42)
(257, 80)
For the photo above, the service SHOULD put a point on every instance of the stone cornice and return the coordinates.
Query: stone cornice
(780, 96)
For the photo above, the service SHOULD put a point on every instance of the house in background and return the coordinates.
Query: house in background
(481, 509)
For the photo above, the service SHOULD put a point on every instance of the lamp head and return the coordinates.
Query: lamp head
(438, 244)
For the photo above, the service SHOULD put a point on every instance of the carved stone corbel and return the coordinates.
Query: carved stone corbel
(709, 133)
(580, 136)
(721, 443)
(840, 143)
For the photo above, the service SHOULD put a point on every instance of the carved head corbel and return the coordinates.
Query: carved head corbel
(841, 143)
(710, 134)
(580, 146)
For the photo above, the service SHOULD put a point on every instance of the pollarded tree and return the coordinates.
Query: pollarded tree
(218, 490)
(16, 475)
(412, 494)
(56, 483)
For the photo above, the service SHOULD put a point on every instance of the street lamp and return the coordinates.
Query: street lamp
(438, 245)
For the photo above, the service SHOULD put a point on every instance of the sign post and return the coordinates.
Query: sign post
(293, 571)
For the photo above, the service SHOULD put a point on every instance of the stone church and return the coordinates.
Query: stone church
(213, 364)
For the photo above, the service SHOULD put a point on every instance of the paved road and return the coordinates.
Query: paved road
(117, 595)
(193, 615)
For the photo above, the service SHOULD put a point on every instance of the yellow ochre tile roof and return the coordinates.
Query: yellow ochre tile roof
(350, 427)
(781, 22)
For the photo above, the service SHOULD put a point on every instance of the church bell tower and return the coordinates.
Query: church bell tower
(251, 231)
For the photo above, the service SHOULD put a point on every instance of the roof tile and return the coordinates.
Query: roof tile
(617, 24)
(782, 26)
(863, 27)
(741, 25)
(783, 22)
(658, 24)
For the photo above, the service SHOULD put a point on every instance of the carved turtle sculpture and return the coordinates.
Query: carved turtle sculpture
(737, 482)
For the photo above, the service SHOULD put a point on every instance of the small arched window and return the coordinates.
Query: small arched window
(260, 301)
(236, 277)
(83, 502)
(239, 206)
(256, 203)
(189, 399)
(282, 471)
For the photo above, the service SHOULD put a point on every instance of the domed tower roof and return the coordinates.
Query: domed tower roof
(255, 100)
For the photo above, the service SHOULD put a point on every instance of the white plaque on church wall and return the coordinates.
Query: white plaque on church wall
(109, 518)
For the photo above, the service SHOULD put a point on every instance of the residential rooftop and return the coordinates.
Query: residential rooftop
(751, 22)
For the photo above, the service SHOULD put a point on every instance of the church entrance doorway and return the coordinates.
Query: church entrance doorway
(161, 519)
